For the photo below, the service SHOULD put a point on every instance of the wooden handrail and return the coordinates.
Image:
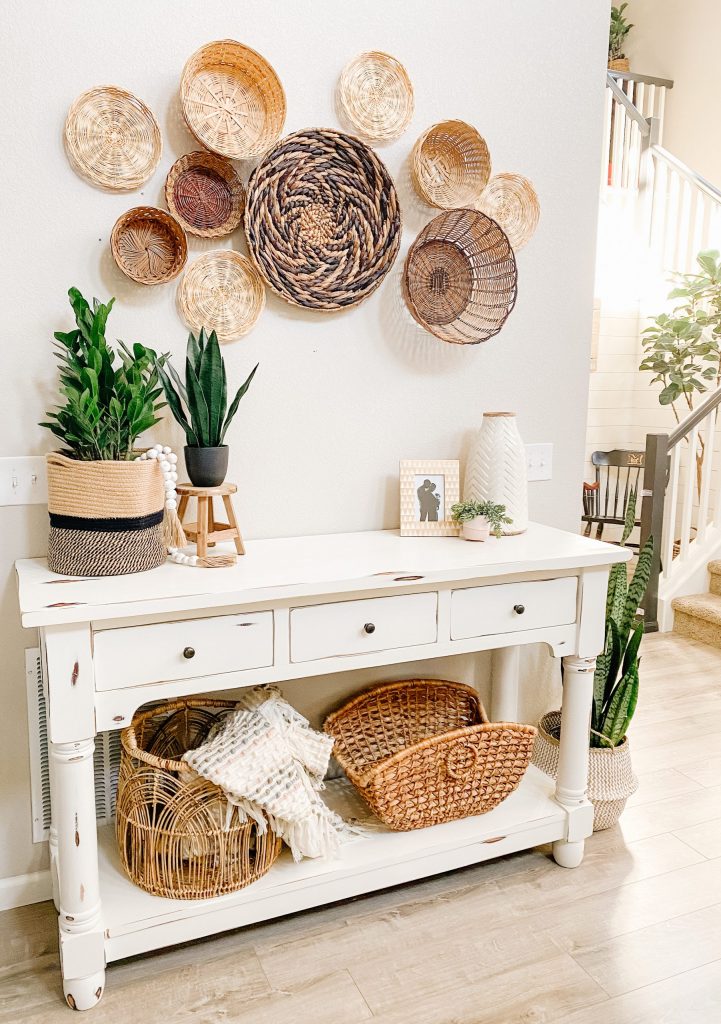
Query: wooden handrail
(694, 418)
(632, 76)
(630, 108)
(685, 171)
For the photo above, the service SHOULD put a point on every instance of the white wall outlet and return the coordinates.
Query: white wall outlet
(23, 481)
(539, 461)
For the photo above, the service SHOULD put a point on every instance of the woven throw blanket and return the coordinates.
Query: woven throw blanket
(268, 761)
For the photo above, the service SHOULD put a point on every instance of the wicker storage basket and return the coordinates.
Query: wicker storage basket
(450, 165)
(177, 835)
(106, 518)
(148, 245)
(610, 776)
(421, 752)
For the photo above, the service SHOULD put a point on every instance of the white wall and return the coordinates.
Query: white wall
(338, 400)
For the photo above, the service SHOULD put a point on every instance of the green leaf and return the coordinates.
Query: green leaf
(236, 401)
(197, 406)
(638, 585)
(210, 377)
(622, 707)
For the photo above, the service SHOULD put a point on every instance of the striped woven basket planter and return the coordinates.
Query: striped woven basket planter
(106, 518)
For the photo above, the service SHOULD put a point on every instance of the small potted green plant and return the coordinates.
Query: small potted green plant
(200, 405)
(480, 519)
(619, 29)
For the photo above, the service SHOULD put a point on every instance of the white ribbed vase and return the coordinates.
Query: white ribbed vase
(496, 468)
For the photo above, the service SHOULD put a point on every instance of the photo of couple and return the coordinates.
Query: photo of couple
(429, 492)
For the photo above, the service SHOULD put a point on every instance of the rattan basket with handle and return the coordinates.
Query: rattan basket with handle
(422, 751)
(450, 165)
(177, 835)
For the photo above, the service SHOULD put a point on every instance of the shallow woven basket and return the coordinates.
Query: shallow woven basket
(112, 139)
(232, 100)
(222, 291)
(149, 245)
(610, 775)
(511, 200)
(205, 195)
(460, 279)
(421, 752)
(376, 95)
(322, 221)
(106, 518)
(450, 165)
(177, 835)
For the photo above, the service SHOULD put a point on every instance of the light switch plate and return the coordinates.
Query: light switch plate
(539, 461)
(23, 480)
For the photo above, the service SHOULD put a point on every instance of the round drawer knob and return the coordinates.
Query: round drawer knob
(188, 652)
(369, 627)
(519, 609)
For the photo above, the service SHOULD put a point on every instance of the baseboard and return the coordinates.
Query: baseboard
(19, 890)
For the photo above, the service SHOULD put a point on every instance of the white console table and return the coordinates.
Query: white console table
(309, 606)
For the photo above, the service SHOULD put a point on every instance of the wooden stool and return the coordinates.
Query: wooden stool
(207, 531)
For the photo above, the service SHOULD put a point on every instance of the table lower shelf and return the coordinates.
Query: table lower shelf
(135, 922)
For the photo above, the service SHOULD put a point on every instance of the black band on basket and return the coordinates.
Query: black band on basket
(125, 524)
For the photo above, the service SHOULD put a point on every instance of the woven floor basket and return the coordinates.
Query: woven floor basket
(422, 752)
(106, 518)
(177, 835)
(610, 776)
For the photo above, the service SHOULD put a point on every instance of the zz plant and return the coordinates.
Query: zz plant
(200, 405)
(618, 31)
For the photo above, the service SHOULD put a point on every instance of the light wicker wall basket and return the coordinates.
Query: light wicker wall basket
(112, 139)
(450, 165)
(177, 835)
(232, 100)
(205, 194)
(222, 291)
(511, 200)
(422, 752)
(376, 95)
(149, 245)
(322, 221)
(460, 279)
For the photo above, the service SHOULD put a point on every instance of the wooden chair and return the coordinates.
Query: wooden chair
(617, 473)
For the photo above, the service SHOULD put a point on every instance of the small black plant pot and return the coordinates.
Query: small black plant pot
(206, 466)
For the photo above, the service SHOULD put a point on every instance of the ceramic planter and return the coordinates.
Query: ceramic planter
(496, 469)
(476, 529)
(206, 466)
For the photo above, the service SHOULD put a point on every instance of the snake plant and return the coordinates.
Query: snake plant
(615, 683)
(200, 405)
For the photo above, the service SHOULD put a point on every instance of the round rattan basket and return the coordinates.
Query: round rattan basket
(221, 291)
(177, 835)
(112, 139)
(322, 220)
(232, 100)
(610, 774)
(460, 278)
(450, 165)
(149, 245)
(376, 95)
(205, 195)
(511, 200)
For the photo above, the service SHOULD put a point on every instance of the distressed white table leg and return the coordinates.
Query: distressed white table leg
(82, 950)
(504, 680)
(572, 777)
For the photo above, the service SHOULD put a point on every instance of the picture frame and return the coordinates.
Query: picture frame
(428, 489)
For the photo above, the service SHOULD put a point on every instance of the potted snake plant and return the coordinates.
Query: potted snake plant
(200, 406)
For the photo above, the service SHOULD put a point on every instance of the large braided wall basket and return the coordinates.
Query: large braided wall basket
(177, 835)
(205, 195)
(322, 219)
(460, 278)
(148, 245)
(106, 518)
(422, 751)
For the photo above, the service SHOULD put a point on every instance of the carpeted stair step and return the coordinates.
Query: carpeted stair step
(698, 616)
(714, 569)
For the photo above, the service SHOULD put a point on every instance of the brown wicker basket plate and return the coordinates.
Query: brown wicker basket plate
(511, 200)
(376, 95)
(450, 165)
(460, 278)
(112, 139)
(222, 291)
(149, 245)
(205, 194)
(322, 219)
(232, 99)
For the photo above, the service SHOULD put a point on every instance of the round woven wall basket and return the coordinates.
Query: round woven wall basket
(205, 195)
(460, 279)
(177, 835)
(112, 139)
(322, 220)
(511, 200)
(376, 95)
(232, 100)
(149, 245)
(450, 165)
(222, 291)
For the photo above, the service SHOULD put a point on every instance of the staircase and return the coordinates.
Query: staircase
(698, 616)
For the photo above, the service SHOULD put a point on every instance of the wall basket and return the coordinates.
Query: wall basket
(205, 195)
(511, 200)
(450, 165)
(222, 291)
(376, 95)
(149, 245)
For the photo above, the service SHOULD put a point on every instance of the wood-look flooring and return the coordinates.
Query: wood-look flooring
(631, 936)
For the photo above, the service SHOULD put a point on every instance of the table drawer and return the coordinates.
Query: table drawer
(511, 607)
(134, 655)
(358, 627)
